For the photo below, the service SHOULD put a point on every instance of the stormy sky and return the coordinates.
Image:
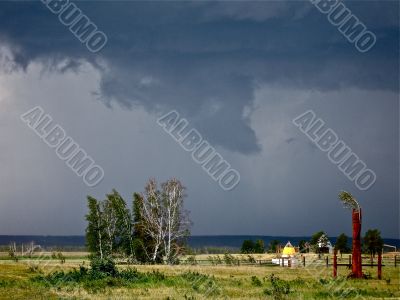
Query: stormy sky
(239, 72)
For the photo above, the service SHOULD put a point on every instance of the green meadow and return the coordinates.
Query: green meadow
(47, 278)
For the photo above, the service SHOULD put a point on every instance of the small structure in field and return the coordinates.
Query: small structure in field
(324, 245)
(289, 250)
(287, 257)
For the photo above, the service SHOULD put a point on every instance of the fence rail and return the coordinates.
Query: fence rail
(366, 261)
(235, 262)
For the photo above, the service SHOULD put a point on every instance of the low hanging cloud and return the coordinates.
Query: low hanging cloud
(205, 59)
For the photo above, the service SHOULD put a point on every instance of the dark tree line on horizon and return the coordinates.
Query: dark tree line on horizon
(372, 244)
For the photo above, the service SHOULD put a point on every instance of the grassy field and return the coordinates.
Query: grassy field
(28, 279)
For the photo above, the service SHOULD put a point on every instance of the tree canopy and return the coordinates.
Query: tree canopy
(249, 246)
(155, 229)
(373, 243)
(341, 244)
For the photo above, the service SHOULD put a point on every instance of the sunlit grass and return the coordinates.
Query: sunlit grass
(200, 282)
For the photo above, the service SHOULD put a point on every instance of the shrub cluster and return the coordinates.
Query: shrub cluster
(102, 274)
(280, 288)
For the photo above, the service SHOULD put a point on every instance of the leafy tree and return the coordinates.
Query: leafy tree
(95, 231)
(341, 244)
(315, 238)
(103, 267)
(141, 239)
(273, 246)
(109, 220)
(259, 246)
(176, 218)
(373, 242)
(122, 235)
(109, 226)
(164, 219)
(247, 246)
(158, 226)
(303, 246)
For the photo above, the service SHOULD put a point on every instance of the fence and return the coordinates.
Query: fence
(346, 261)
(235, 262)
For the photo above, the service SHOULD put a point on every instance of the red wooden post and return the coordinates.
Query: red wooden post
(335, 264)
(356, 261)
(379, 265)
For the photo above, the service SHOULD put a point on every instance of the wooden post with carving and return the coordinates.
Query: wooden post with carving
(356, 263)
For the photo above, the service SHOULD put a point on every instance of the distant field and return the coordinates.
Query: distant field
(18, 281)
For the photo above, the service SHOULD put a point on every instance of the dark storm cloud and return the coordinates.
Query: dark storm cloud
(205, 59)
(239, 72)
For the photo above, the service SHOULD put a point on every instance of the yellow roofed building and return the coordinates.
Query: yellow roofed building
(287, 258)
(289, 250)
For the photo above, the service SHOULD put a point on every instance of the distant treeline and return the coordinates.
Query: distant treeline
(199, 244)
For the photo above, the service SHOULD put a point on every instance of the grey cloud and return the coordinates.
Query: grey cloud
(196, 57)
(238, 78)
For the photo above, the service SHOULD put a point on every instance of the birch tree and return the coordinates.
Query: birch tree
(110, 226)
(123, 220)
(153, 217)
(157, 226)
(109, 219)
(164, 218)
(176, 219)
(95, 234)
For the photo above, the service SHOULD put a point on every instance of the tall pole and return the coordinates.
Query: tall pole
(356, 257)
(350, 202)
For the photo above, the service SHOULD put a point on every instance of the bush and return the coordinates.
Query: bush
(251, 259)
(13, 256)
(279, 289)
(61, 257)
(229, 259)
(194, 276)
(255, 281)
(95, 279)
(105, 266)
(215, 260)
(191, 260)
